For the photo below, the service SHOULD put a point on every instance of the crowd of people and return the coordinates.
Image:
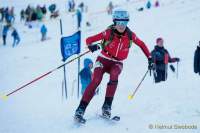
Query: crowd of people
(29, 15)
(38, 13)
(7, 14)
(32, 14)
(148, 5)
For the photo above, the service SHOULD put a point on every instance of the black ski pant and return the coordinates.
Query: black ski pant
(4, 39)
(160, 75)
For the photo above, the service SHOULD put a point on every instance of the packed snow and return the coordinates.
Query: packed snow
(40, 107)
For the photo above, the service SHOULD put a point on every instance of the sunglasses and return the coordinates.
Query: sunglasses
(121, 23)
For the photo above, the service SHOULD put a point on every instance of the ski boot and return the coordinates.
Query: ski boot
(78, 117)
(106, 111)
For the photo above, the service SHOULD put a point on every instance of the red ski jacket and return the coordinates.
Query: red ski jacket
(118, 48)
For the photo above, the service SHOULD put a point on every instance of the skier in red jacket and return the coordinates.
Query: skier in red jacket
(116, 41)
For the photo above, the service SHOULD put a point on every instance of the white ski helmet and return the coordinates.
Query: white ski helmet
(120, 15)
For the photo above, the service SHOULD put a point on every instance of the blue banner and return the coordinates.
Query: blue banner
(70, 45)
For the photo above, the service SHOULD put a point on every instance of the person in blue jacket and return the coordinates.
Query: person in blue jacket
(86, 74)
(16, 38)
(71, 5)
(4, 33)
(148, 5)
(43, 31)
(79, 18)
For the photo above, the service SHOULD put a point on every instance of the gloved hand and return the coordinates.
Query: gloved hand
(177, 59)
(150, 63)
(93, 48)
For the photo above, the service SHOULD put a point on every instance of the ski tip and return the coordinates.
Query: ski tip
(4, 97)
(116, 118)
(130, 97)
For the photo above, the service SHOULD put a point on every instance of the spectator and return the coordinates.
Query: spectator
(43, 31)
(197, 59)
(22, 15)
(157, 4)
(86, 74)
(148, 5)
(4, 33)
(161, 58)
(81, 6)
(79, 18)
(16, 38)
(71, 5)
(110, 8)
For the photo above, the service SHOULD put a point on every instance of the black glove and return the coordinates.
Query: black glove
(150, 63)
(93, 48)
(172, 68)
(177, 59)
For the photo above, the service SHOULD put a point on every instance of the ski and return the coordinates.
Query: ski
(81, 120)
(114, 118)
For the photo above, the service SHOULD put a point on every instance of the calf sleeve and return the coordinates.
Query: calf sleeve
(83, 105)
(111, 88)
(108, 101)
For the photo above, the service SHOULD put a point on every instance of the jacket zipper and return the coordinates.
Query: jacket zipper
(118, 47)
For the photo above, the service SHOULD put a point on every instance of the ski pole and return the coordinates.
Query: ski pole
(36, 79)
(133, 94)
(150, 72)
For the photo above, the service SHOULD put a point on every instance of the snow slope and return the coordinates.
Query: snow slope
(40, 107)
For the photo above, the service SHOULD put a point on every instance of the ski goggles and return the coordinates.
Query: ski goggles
(121, 22)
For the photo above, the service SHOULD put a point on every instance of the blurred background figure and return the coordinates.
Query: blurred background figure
(4, 33)
(53, 11)
(157, 4)
(81, 6)
(16, 38)
(148, 5)
(88, 24)
(22, 15)
(79, 18)
(197, 59)
(39, 13)
(86, 74)
(140, 9)
(43, 31)
(9, 16)
(44, 10)
(2, 14)
(110, 8)
(71, 5)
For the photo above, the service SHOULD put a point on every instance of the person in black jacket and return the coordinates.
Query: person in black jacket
(197, 59)
(161, 58)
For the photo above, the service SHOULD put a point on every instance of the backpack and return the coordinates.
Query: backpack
(105, 42)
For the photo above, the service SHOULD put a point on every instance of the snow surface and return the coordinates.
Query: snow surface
(40, 108)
